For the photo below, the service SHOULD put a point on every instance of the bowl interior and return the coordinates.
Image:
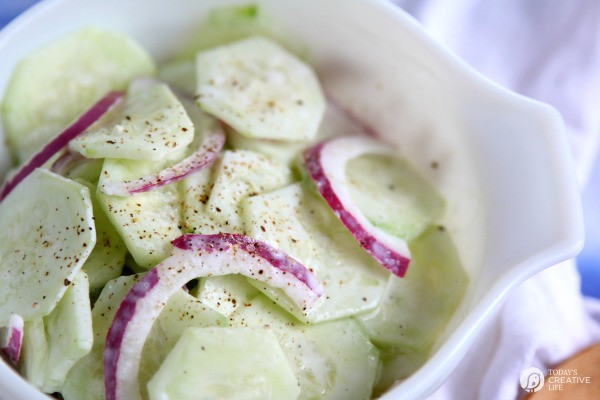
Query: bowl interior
(503, 167)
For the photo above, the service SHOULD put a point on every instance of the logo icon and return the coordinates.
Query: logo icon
(532, 380)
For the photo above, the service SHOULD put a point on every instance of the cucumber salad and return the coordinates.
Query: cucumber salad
(212, 226)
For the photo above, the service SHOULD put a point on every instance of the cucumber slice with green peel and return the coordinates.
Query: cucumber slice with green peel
(148, 125)
(86, 379)
(182, 311)
(52, 86)
(298, 222)
(260, 89)
(216, 363)
(416, 308)
(47, 234)
(70, 335)
(34, 354)
(332, 360)
(237, 175)
(225, 293)
(147, 222)
(108, 256)
(392, 195)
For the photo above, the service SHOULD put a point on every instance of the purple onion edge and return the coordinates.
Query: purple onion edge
(55, 145)
(396, 263)
(116, 334)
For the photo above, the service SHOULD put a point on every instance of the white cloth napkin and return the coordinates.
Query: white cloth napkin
(548, 50)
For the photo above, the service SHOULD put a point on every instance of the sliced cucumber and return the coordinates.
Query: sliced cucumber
(70, 335)
(86, 379)
(195, 190)
(392, 195)
(106, 306)
(260, 89)
(228, 24)
(397, 365)
(108, 256)
(47, 234)
(238, 175)
(181, 312)
(416, 308)
(87, 169)
(225, 363)
(284, 151)
(298, 222)
(149, 125)
(147, 222)
(335, 122)
(225, 293)
(332, 360)
(180, 75)
(34, 354)
(52, 86)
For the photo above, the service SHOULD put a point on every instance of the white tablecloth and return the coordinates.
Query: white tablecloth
(548, 50)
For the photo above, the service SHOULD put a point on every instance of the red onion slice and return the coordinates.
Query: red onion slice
(60, 141)
(194, 256)
(207, 153)
(326, 165)
(11, 339)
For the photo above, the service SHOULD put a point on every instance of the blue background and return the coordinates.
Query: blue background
(587, 261)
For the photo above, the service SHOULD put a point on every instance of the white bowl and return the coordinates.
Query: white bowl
(504, 168)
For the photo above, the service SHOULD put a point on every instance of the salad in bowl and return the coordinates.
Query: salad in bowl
(205, 204)
(213, 224)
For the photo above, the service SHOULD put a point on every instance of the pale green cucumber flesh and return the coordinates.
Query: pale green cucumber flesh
(334, 123)
(225, 293)
(181, 312)
(415, 309)
(34, 353)
(195, 191)
(52, 86)
(147, 222)
(47, 234)
(224, 25)
(332, 360)
(70, 334)
(392, 195)
(87, 169)
(225, 363)
(85, 381)
(298, 222)
(212, 199)
(180, 75)
(260, 89)
(108, 256)
(150, 124)
(397, 365)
